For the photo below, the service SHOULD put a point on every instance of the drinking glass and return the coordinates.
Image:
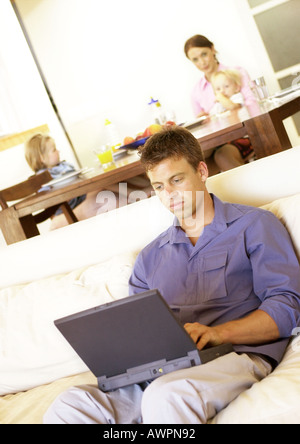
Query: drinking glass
(105, 156)
(261, 88)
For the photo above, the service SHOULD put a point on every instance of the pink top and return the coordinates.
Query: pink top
(203, 96)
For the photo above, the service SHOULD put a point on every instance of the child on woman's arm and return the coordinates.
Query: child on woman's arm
(227, 86)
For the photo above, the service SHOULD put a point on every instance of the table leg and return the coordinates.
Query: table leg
(16, 229)
(69, 215)
(11, 226)
(267, 134)
(29, 226)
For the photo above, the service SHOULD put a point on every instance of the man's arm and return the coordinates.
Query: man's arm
(257, 328)
(137, 281)
(276, 282)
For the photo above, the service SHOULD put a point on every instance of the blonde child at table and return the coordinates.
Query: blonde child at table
(227, 86)
(41, 154)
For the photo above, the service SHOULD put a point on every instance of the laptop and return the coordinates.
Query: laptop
(133, 340)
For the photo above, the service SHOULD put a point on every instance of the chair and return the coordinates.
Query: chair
(26, 189)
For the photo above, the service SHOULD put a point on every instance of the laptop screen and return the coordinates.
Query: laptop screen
(134, 331)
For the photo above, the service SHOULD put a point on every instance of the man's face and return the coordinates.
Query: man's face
(179, 187)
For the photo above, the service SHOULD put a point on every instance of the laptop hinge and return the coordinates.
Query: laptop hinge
(148, 372)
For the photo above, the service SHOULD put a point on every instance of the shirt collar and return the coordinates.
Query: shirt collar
(225, 214)
(174, 235)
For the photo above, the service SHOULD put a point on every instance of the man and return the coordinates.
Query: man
(230, 274)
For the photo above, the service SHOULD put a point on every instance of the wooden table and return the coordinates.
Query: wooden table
(17, 223)
(264, 126)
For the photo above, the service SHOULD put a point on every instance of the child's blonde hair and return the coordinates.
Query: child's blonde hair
(230, 74)
(35, 148)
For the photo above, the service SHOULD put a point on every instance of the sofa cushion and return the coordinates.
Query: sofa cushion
(29, 407)
(260, 182)
(32, 351)
(87, 242)
(275, 400)
(288, 211)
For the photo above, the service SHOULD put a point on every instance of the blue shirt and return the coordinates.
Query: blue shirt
(57, 172)
(243, 261)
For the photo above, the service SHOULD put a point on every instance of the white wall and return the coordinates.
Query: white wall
(106, 58)
(24, 103)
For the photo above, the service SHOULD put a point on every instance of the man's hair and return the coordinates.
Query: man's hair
(175, 142)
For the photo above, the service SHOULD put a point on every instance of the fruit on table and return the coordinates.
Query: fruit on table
(149, 131)
(169, 123)
(139, 136)
(128, 140)
(152, 129)
(155, 128)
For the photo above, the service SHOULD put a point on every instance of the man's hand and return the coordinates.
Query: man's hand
(203, 335)
(257, 328)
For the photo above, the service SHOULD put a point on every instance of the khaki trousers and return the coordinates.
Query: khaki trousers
(191, 396)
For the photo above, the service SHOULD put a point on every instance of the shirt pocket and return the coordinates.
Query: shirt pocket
(213, 285)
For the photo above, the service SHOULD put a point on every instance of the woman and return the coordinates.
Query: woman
(202, 53)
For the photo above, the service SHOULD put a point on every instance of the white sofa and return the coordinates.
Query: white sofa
(89, 263)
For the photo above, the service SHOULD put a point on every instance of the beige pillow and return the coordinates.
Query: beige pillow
(288, 212)
(32, 351)
(275, 400)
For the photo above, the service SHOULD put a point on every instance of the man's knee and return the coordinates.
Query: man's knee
(64, 409)
(53, 414)
(155, 398)
(165, 398)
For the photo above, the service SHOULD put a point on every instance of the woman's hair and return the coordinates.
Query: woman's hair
(198, 41)
(35, 148)
(174, 142)
(230, 74)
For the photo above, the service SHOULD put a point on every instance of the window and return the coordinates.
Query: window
(278, 24)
